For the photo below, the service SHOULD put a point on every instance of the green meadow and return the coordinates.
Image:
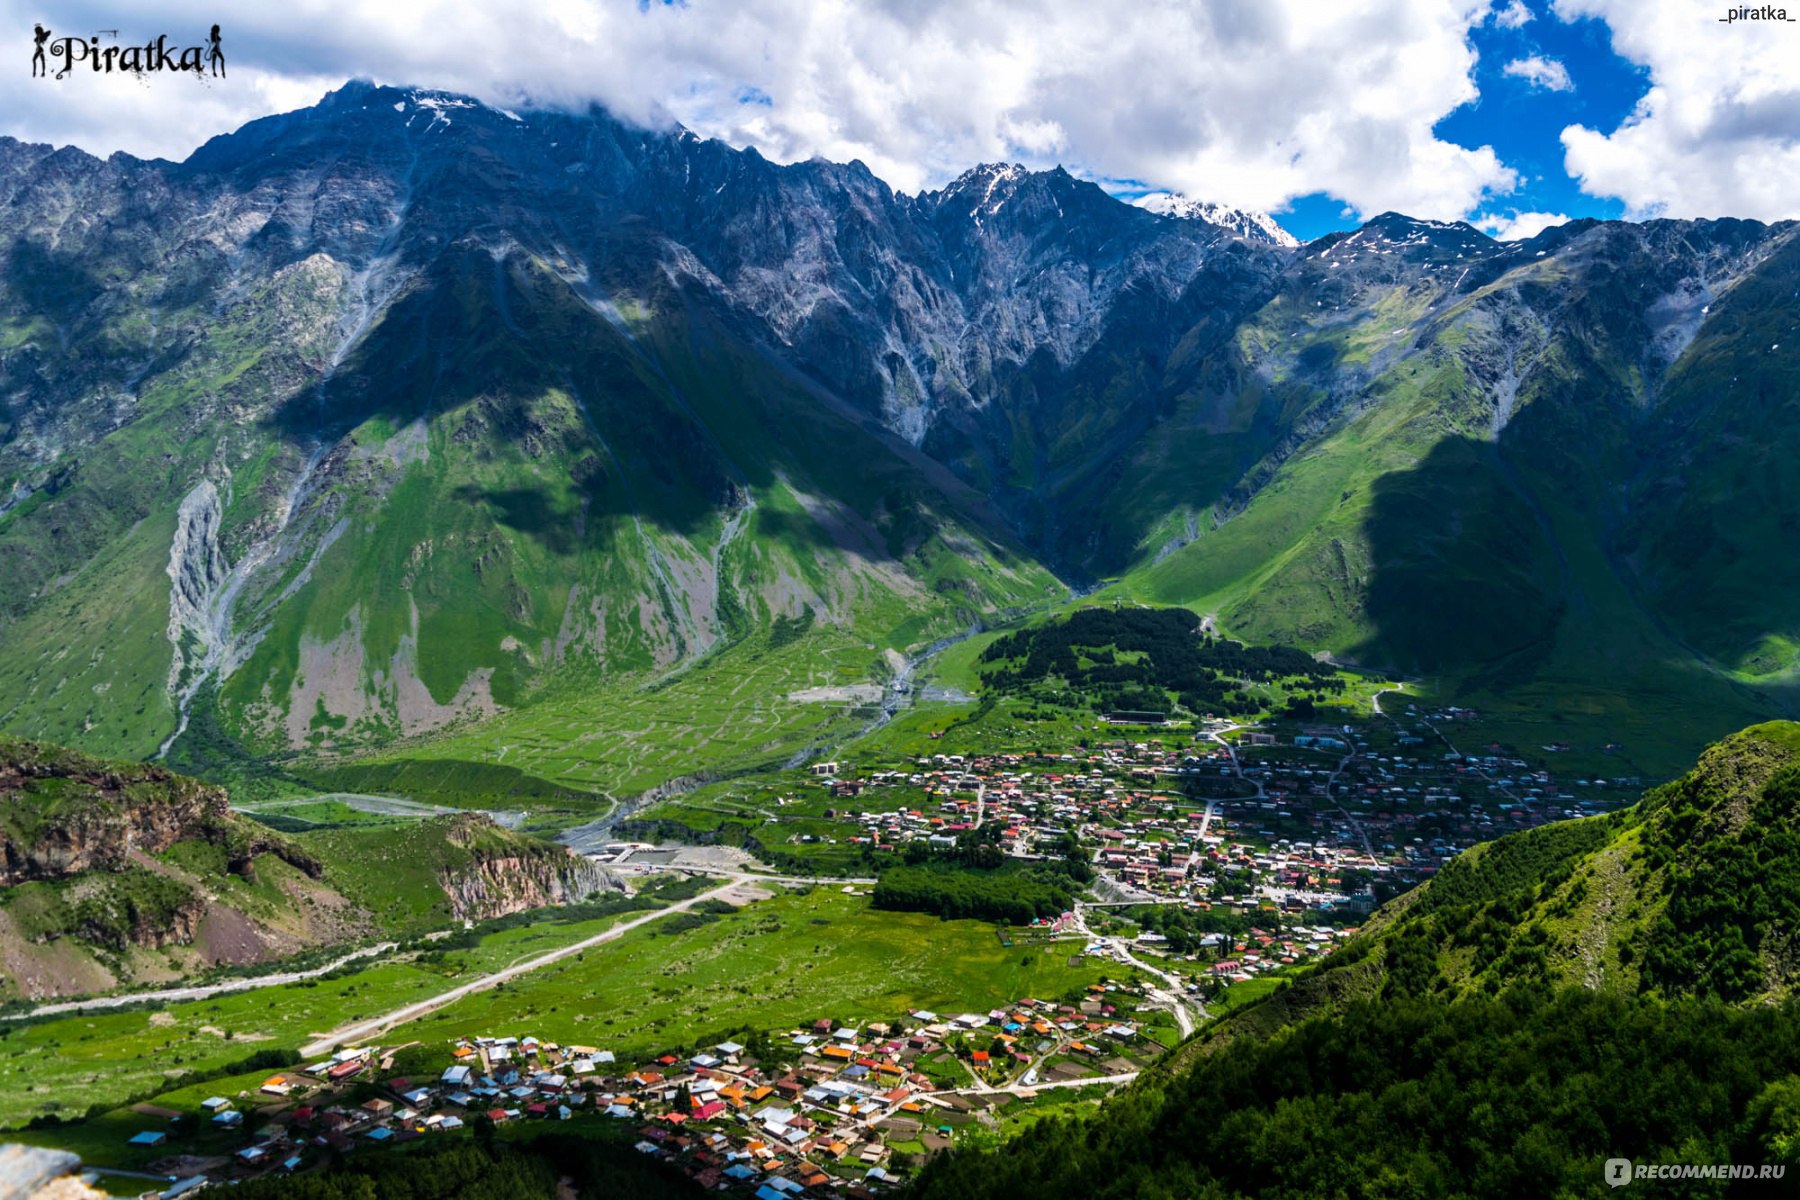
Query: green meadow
(63, 1065)
(794, 957)
(672, 984)
(726, 713)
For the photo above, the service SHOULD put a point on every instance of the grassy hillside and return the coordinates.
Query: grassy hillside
(562, 514)
(494, 458)
(1524, 1095)
(1472, 506)
(1620, 986)
(421, 875)
(780, 961)
(1690, 892)
(121, 874)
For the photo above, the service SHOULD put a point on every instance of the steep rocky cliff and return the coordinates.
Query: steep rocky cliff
(63, 813)
(121, 873)
(505, 873)
(400, 414)
(113, 873)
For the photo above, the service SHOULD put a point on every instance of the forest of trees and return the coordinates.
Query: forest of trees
(485, 1168)
(1009, 895)
(1525, 1094)
(1733, 916)
(1728, 928)
(1133, 659)
(1529, 861)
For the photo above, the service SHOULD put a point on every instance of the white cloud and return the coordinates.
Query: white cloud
(1542, 72)
(1244, 102)
(1718, 133)
(1519, 226)
(1513, 15)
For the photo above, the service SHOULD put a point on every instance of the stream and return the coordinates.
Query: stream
(199, 991)
(588, 838)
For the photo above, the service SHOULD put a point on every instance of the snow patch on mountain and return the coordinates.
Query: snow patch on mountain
(1255, 226)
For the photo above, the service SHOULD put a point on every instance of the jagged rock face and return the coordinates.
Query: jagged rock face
(564, 382)
(147, 814)
(177, 927)
(94, 836)
(401, 288)
(497, 887)
(62, 813)
(498, 882)
(908, 306)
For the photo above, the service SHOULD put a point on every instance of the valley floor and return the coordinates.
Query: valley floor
(1229, 855)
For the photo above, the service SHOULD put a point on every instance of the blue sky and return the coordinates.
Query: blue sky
(1511, 114)
(1523, 119)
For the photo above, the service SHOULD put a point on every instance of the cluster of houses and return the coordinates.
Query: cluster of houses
(1123, 800)
(1273, 951)
(818, 1114)
(1030, 798)
(267, 1132)
(1282, 821)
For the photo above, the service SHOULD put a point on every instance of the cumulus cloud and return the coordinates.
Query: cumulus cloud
(1546, 73)
(1512, 15)
(1245, 102)
(1519, 226)
(1718, 133)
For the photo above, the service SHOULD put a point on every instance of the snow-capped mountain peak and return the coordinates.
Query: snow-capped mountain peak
(1255, 226)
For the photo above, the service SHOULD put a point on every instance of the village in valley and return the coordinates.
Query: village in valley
(1144, 868)
(824, 1110)
(1217, 861)
(1278, 819)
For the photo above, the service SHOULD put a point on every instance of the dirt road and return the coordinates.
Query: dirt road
(363, 1030)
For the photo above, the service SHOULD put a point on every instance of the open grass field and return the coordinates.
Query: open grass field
(103, 1140)
(726, 713)
(64, 1065)
(793, 957)
(303, 816)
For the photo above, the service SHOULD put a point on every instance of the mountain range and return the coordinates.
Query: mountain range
(395, 415)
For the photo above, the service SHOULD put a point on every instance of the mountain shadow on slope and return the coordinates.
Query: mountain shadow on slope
(1464, 570)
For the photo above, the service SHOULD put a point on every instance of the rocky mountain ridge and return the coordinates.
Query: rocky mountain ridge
(1256, 226)
(63, 813)
(395, 414)
(498, 882)
(126, 873)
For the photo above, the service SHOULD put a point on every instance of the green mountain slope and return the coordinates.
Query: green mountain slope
(1614, 987)
(116, 874)
(1691, 891)
(1527, 1095)
(547, 505)
(119, 873)
(365, 431)
(1491, 467)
